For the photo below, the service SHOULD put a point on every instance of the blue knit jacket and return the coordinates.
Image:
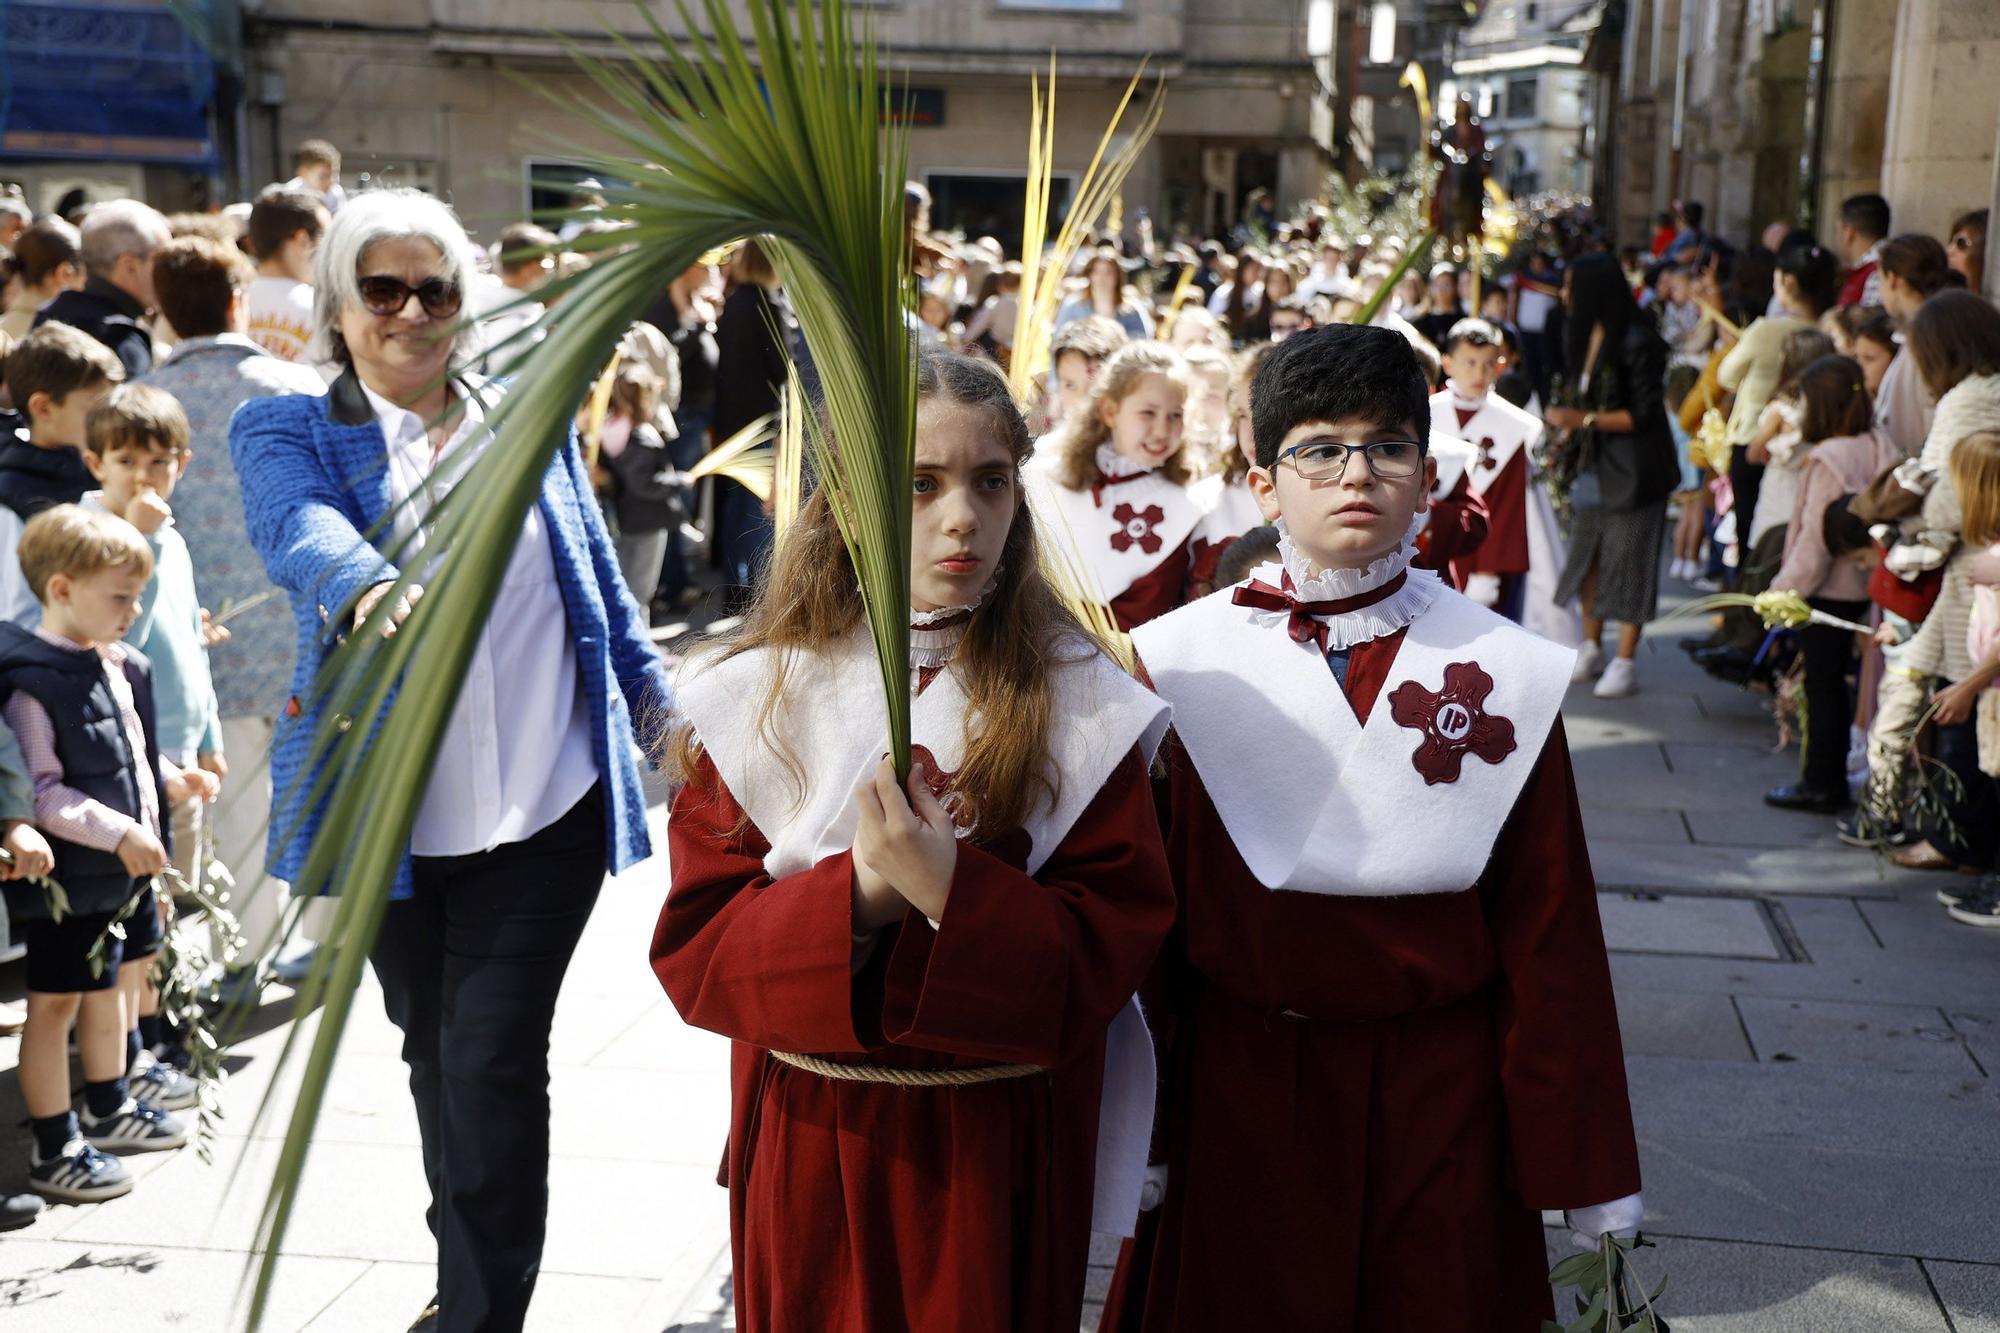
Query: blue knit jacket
(315, 475)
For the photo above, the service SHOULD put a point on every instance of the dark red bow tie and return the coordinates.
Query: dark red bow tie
(1097, 487)
(1304, 625)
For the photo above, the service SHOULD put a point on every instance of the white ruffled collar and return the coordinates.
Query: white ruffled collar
(1350, 629)
(1111, 463)
(1463, 403)
(935, 635)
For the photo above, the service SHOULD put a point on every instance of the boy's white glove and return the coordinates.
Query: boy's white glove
(1620, 1217)
(1484, 589)
(1155, 1188)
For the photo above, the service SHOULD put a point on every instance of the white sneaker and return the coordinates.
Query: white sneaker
(1589, 662)
(1621, 678)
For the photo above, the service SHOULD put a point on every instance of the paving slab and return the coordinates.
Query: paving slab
(1970, 1292)
(1888, 1036)
(1684, 924)
(388, 1296)
(1858, 975)
(1945, 1117)
(1703, 1027)
(1762, 827)
(1734, 1288)
(1827, 872)
(1828, 926)
(1633, 825)
(53, 1285)
(1884, 1202)
(1919, 925)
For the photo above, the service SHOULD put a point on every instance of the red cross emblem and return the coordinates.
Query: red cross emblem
(943, 785)
(1136, 528)
(1453, 721)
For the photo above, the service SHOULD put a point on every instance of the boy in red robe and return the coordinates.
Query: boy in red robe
(1386, 1010)
(1503, 473)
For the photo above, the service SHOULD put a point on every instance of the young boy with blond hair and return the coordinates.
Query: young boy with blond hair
(81, 704)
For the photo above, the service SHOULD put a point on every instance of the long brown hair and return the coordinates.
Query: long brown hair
(1975, 476)
(1077, 438)
(1833, 400)
(1022, 632)
(1954, 335)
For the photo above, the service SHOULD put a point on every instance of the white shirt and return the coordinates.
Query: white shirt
(278, 315)
(516, 754)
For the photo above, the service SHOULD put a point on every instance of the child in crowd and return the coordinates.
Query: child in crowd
(1836, 424)
(1207, 407)
(136, 446)
(101, 790)
(56, 376)
(31, 858)
(1873, 346)
(1495, 573)
(1116, 476)
(1078, 350)
(1233, 511)
(938, 1062)
(647, 494)
(1380, 1042)
(1975, 475)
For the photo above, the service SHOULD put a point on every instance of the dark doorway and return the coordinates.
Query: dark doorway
(982, 205)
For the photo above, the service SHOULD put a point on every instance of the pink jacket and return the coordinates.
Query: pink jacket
(1840, 466)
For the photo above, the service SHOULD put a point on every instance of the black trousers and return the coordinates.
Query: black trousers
(1967, 834)
(470, 967)
(1828, 654)
(1745, 480)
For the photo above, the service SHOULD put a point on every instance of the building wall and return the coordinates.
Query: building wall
(1943, 110)
(1857, 104)
(439, 99)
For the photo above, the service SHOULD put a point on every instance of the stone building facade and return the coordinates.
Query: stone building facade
(449, 95)
(1776, 110)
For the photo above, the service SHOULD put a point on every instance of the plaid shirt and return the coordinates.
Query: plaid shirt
(212, 377)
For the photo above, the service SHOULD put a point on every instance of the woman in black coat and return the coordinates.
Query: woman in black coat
(1626, 466)
(749, 368)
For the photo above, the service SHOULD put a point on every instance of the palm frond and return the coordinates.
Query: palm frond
(716, 138)
(788, 461)
(1411, 257)
(1044, 264)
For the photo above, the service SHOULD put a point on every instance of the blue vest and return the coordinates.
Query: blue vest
(32, 479)
(96, 760)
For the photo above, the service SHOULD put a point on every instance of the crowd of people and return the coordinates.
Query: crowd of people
(228, 428)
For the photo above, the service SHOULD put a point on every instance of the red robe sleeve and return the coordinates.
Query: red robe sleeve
(764, 961)
(1031, 969)
(1562, 1063)
(1458, 525)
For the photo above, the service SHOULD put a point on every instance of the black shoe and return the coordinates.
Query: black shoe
(427, 1322)
(18, 1210)
(1798, 796)
(1966, 892)
(1701, 645)
(1978, 909)
(1723, 655)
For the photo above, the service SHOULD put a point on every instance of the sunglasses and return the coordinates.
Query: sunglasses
(384, 295)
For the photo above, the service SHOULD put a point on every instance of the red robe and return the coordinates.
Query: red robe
(1378, 1166)
(1153, 594)
(1458, 525)
(872, 1208)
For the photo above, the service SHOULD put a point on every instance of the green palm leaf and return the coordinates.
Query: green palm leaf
(781, 138)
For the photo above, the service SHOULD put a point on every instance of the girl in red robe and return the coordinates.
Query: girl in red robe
(1116, 484)
(1386, 1009)
(941, 1081)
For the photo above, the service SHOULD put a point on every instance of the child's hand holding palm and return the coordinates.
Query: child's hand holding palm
(905, 848)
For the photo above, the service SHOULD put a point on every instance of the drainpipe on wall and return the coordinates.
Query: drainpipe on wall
(1819, 77)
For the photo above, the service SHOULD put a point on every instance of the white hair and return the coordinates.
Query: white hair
(364, 222)
(121, 227)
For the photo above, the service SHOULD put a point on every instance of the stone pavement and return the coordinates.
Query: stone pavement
(1808, 1038)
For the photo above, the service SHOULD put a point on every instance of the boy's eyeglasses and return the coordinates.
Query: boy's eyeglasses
(1326, 460)
(384, 295)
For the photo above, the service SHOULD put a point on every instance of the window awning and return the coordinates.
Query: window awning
(118, 80)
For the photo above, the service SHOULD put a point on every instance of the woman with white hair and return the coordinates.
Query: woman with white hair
(537, 791)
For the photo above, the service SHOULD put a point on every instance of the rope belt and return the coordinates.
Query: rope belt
(905, 1078)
